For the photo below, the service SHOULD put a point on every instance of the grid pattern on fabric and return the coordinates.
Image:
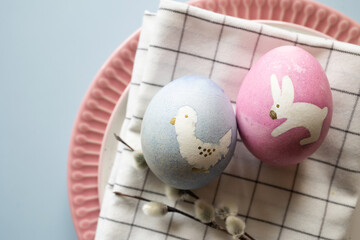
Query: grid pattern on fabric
(312, 200)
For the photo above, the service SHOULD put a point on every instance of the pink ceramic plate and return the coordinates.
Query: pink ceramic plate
(110, 82)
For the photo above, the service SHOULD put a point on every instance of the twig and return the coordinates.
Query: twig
(172, 209)
(123, 142)
(211, 224)
(192, 194)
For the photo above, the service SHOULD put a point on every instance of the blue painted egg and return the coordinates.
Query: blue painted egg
(188, 134)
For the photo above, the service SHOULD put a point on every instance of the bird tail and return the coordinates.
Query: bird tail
(225, 142)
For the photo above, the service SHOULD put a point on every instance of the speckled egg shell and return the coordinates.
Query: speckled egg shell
(188, 133)
(284, 106)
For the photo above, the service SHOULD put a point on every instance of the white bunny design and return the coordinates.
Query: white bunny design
(298, 114)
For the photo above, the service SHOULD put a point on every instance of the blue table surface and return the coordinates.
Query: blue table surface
(49, 53)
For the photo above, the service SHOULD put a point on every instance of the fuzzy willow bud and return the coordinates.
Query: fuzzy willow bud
(235, 226)
(204, 211)
(139, 160)
(225, 210)
(155, 209)
(173, 193)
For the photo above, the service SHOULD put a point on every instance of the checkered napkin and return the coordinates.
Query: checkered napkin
(311, 200)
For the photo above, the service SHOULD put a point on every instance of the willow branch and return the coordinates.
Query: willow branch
(123, 142)
(172, 209)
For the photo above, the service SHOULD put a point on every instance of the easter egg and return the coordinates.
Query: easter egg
(284, 106)
(188, 134)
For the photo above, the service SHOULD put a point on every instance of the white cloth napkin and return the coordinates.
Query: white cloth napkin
(312, 200)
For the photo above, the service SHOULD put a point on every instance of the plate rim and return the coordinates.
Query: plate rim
(107, 136)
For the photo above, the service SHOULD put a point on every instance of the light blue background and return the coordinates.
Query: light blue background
(49, 54)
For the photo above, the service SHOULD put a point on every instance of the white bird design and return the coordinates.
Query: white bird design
(197, 153)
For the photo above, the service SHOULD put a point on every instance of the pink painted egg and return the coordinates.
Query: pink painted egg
(284, 106)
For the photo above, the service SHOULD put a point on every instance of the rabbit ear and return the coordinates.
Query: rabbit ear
(287, 89)
(275, 88)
